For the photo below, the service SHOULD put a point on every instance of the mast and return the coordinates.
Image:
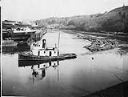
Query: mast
(58, 56)
(58, 44)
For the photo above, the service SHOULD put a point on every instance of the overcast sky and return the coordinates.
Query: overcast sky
(39, 9)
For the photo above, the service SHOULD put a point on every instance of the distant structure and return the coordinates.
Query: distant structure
(8, 24)
(16, 30)
(123, 5)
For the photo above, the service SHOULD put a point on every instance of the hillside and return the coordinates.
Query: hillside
(108, 21)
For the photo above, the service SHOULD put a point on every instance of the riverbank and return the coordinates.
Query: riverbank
(119, 90)
(102, 41)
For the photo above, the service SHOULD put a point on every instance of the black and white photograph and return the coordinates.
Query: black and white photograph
(64, 48)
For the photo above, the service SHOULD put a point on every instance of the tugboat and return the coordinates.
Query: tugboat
(42, 53)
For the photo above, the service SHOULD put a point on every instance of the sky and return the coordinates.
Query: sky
(39, 9)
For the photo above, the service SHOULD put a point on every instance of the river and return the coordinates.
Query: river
(69, 78)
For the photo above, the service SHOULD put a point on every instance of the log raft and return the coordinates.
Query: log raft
(102, 45)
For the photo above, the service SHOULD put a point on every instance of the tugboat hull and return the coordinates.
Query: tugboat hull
(30, 57)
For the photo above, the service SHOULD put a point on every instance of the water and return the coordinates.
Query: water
(68, 78)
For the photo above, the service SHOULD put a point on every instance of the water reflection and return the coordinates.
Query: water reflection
(13, 50)
(32, 63)
(38, 73)
(38, 69)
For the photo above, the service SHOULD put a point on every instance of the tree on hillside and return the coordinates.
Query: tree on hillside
(124, 20)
